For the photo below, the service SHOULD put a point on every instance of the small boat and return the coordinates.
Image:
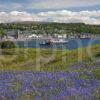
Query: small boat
(45, 43)
(72, 37)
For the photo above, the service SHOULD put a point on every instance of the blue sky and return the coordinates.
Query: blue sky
(47, 5)
(84, 11)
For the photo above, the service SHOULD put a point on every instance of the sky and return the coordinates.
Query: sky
(68, 11)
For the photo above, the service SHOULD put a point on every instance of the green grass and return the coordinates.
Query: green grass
(97, 72)
(51, 59)
(47, 59)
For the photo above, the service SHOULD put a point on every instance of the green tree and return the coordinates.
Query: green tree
(7, 44)
(2, 33)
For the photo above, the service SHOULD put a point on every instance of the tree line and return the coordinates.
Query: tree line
(51, 28)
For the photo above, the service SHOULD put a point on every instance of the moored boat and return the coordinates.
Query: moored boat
(45, 43)
(54, 41)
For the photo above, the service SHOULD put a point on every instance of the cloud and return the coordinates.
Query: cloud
(10, 6)
(57, 4)
(23, 5)
(88, 17)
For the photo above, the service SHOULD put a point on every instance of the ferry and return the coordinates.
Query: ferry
(54, 41)
(58, 41)
(85, 37)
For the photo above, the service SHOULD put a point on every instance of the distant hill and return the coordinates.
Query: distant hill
(30, 22)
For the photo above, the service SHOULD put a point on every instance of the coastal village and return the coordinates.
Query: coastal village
(18, 35)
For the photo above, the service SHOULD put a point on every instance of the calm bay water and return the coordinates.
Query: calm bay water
(72, 43)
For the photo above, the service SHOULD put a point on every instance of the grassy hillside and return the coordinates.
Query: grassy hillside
(48, 59)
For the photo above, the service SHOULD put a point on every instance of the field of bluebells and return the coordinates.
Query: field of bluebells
(56, 80)
(57, 85)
